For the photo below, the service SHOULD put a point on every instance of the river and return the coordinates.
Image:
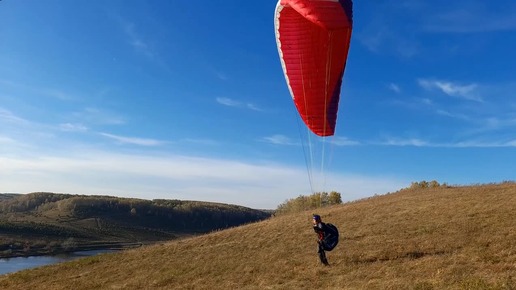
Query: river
(9, 265)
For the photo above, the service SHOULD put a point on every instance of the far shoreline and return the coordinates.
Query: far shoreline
(33, 252)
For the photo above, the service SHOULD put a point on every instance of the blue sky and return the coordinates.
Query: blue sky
(184, 100)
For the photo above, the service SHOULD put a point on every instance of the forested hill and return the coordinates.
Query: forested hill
(5, 196)
(50, 216)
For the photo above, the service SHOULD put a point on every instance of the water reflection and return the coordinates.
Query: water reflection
(10, 265)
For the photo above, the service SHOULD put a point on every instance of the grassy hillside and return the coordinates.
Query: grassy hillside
(435, 238)
(43, 222)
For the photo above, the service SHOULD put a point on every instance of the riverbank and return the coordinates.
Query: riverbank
(11, 265)
(15, 251)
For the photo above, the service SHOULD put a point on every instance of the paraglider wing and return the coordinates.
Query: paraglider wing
(313, 40)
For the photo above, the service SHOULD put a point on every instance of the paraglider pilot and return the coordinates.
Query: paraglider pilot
(328, 237)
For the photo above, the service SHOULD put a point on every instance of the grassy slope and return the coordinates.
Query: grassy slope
(453, 238)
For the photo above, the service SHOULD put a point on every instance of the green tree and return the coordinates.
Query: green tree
(434, 184)
(313, 201)
(334, 198)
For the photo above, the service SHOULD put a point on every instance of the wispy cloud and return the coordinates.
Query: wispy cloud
(221, 76)
(142, 43)
(394, 87)
(426, 101)
(467, 92)
(382, 34)
(472, 17)
(482, 144)
(460, 16)
(24, 132)
(6, 140)
(49, 92)
(228, 102)
(134, 140)
(8, 116)
(412, 103)
(280, 140)
(343, 141)
(399, 28)
(415, 142)
(405, 142)
(70, 127)
(200, 141)
(497, 123)
(136, 40)
(253, 107)
(98, 116)
(176, 177)
(380, 39)
(233, 103)
(453, 115)
(59, 94)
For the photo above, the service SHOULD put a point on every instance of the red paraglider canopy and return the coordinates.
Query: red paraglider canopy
(313, 39)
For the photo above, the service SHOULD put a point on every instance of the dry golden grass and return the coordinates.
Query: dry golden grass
(443, 238)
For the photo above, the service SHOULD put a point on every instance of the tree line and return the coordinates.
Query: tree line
(306, 202)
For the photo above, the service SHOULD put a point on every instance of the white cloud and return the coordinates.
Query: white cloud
(134, 140)
(221, 76)
(232, 103)
(414, 142)
(467, 92)
(9, 117)
(69, 127)
(253, 107)
(426, 101)
(228, 102)
(343, 141)
(497, 123)
(32, 89)
(464, 18)
(141, 43)
(263, 185)
(280, 140)
(399, 27)
(394, 87)
(453, 115)
(6, 140)
(200, 141)
(460, 144)
(482, 144)
(405, 142)
(98, 116)
(382, 40)
(60, 95)
(136, 40)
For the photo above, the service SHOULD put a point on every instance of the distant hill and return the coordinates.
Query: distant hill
(6, 196)
(432, 238)
(45, 219)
